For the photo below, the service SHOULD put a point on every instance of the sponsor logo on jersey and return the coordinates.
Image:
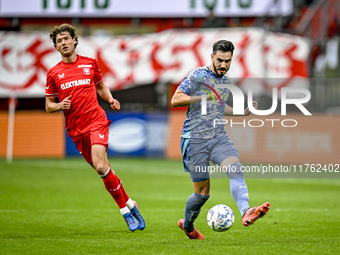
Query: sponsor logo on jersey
(101, 136)
(75, 83)
(86, 71)
(61, 75)
(81, 66)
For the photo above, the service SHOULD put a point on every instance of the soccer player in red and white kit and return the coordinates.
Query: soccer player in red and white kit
(76, 80)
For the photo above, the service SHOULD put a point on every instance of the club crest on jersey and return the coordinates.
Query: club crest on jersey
(86, 71)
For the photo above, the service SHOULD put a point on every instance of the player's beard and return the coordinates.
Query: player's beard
(216, 71)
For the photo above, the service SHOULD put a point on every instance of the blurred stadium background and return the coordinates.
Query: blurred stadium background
(145, 48)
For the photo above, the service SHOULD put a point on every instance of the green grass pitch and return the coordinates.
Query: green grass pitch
(62, 207)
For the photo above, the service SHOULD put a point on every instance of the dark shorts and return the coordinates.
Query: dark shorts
(197, 154)
(84, 142)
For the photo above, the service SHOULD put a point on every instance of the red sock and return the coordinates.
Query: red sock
(126, 197)
(114, 187)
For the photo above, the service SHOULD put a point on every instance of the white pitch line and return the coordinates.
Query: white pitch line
(77, 210)
(304, 210)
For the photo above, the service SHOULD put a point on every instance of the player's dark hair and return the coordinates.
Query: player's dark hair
(63, 28)
(223, 45)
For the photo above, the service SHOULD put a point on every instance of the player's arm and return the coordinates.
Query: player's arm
(181, 99)
(104, 92)
(51, 106)
(228, 111)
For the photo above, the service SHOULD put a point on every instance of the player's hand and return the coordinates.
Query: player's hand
(66, 103)
(247, 111)
(115, 105)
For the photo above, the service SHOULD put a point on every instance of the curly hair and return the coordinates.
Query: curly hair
(63, 28)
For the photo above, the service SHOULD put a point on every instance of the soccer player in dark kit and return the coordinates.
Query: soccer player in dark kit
(76, 80)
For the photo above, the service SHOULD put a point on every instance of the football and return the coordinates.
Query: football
(220, 218)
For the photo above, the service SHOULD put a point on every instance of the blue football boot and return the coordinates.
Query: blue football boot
(131, 221)
(135, 212)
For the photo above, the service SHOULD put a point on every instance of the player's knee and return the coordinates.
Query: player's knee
(235, 171)
(202, 188)
(204, 191)
(101, 168)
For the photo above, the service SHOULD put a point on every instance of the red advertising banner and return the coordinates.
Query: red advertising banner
(165, 57)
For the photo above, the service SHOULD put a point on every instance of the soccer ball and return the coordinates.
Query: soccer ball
(220, 218)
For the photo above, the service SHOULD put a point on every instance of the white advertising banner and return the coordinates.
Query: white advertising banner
(143, 8)
(160, 57)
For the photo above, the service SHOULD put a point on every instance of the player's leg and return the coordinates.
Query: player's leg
(133, 206)
(125, 203)
(201, 185)
(238, 186)
(195, 202)
(226, 155)
(96, 156)
(239, 191)
(112, 183)
(193, 208)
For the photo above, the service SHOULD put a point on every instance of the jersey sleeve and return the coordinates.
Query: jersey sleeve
(190, 82)
(50, 89)
(184, 86)
(98, 78)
